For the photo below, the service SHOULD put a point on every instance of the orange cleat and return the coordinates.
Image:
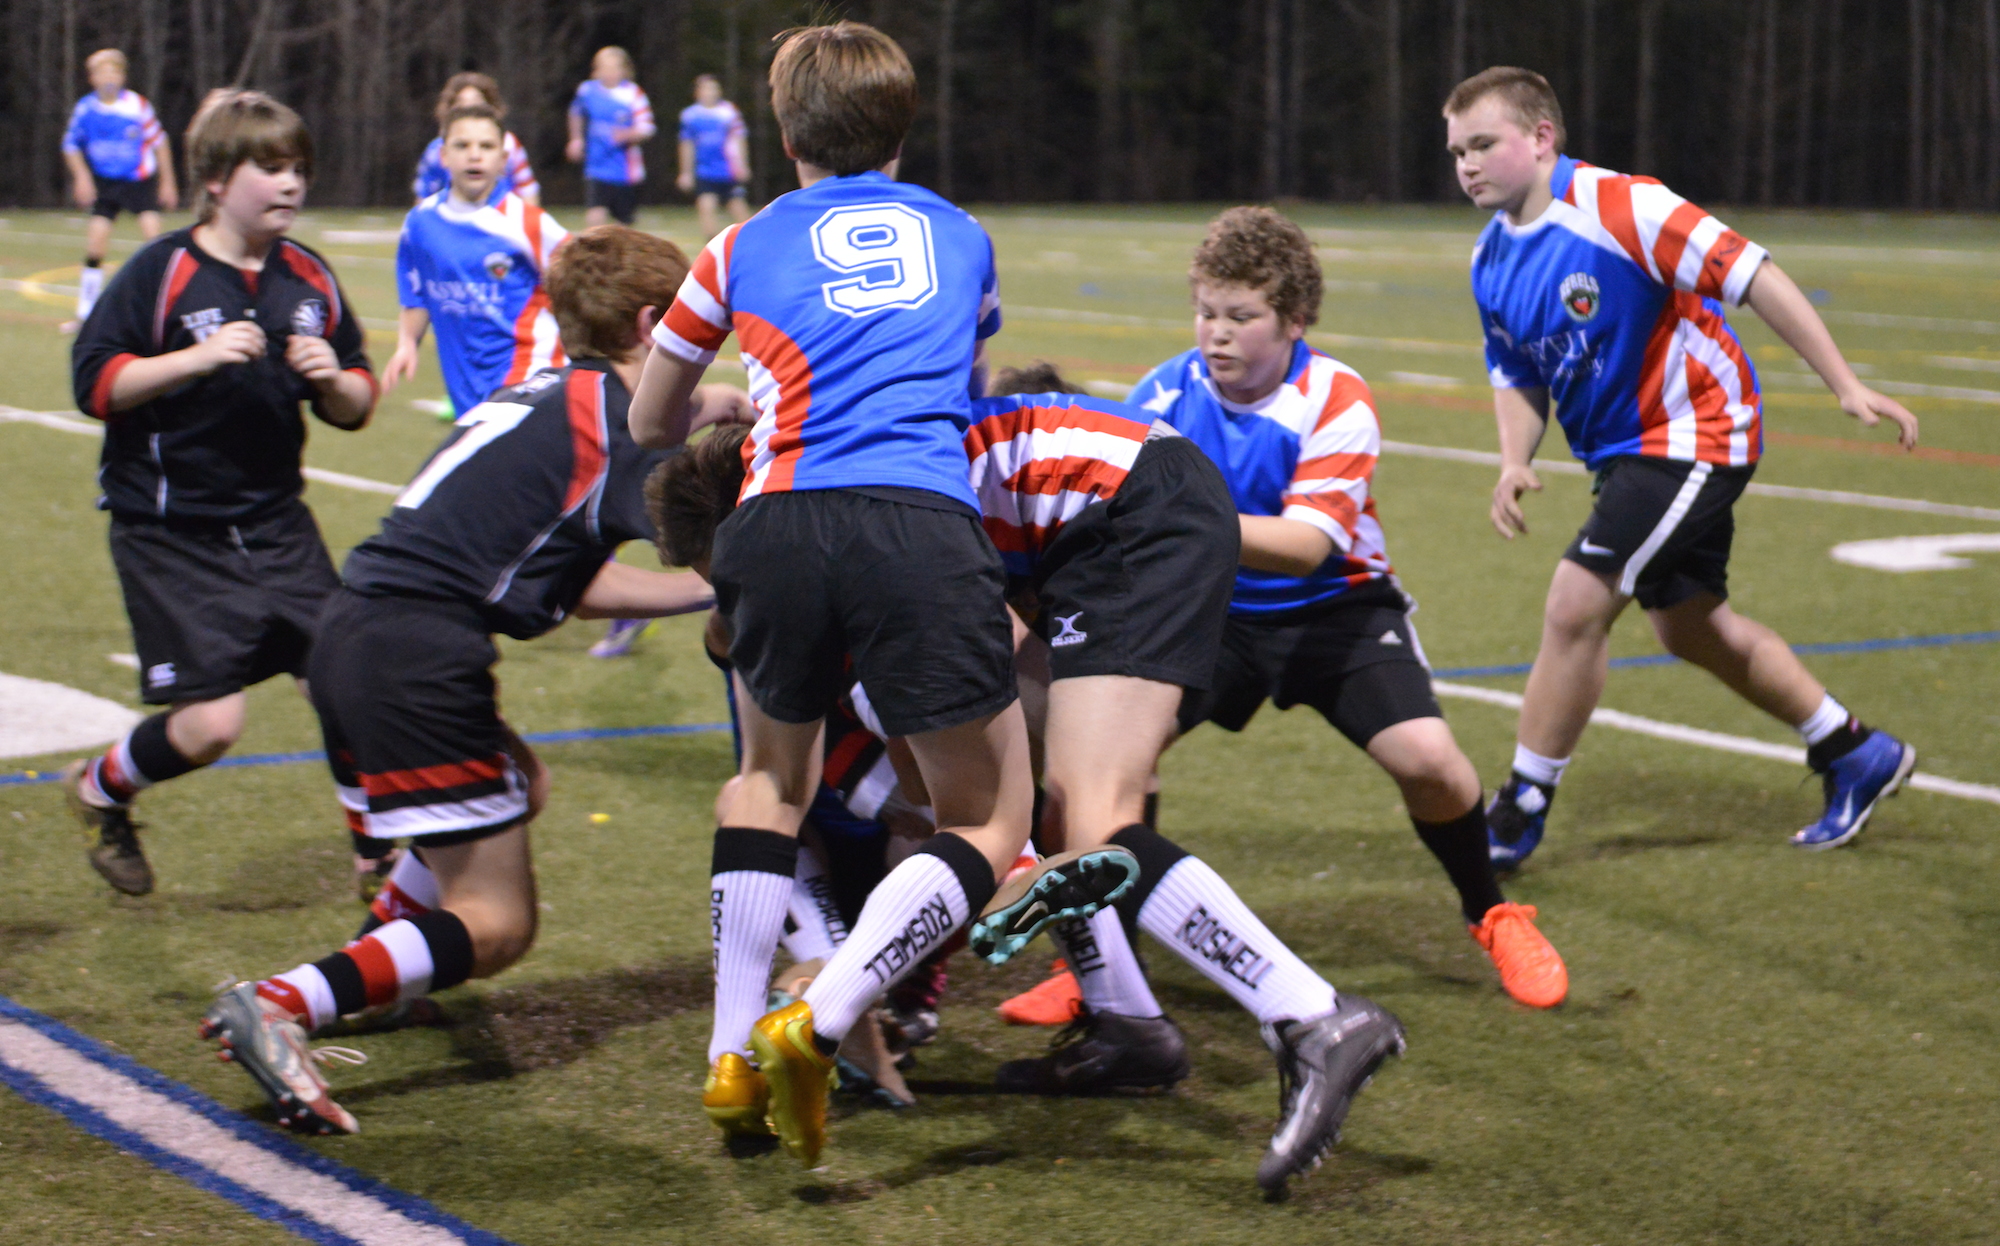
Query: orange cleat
(1530, 969)
(1055, 1001)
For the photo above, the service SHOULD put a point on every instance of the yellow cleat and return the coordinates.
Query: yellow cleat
(735, 1098)
(798, 1077)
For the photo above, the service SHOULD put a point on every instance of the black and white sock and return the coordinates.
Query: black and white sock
(89, 284)
(813, 925)
(1187, 907)
(749, 891)
(1106, 968)
(922, 902)
(1830, 734)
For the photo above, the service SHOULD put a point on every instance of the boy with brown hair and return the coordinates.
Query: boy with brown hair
(1603, 294)
(507, 528)
(859, 304)
(198, 359)
(1317, 616)
(119, 161)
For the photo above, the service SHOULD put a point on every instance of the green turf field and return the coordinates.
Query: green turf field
(1761, 1046)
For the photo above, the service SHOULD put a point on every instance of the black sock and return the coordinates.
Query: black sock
(450, 944)
(1845, 739)
(1152, 815)
(154, 754)
(1460, 847)
(369, 848)
(1157, 854)
(93, 261)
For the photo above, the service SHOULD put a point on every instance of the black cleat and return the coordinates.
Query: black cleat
(1322, 1065)
(1102, 1053)
(116, 855)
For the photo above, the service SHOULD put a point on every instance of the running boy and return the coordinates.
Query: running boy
(715, 159)
(197, 360)
(859, 304)
(1317, 617)
(1605, 293)
(472, 264)
(506, 529)
(608, 120)
(120, 160)
(459, 91)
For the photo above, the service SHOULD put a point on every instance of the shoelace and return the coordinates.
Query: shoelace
(330, 1054)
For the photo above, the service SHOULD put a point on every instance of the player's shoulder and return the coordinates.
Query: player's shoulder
(1341, 383)
(546, 389)
(1171, 384)
(155, 254)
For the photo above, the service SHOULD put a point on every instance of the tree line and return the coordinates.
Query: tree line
(1850, 103)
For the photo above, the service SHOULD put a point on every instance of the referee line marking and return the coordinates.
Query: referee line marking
(66, 423)
(179, 1129)
(1700, 737)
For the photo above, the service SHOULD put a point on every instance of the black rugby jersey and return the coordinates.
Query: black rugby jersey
(223, 447)
(516, 511)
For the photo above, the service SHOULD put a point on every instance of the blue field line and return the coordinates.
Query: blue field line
(24, 778)
(1668, 659)
(89, 1119)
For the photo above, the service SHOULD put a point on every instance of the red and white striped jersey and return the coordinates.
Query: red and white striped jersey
(1039, 459)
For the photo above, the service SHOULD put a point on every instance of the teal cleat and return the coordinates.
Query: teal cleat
(1070, 884)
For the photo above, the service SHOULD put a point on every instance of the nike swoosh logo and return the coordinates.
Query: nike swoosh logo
(1846, 812)
(1586, 547)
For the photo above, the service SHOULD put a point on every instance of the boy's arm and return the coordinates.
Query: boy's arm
(411, 325)
(642, 127)
(685, 181)
(1286, 546)
(337, 368)
(621, 592)
(83, 187)
(1523, 416)
(1778, 299)
(574, 150)
(1322, 504)
(170, 189)
(661, 415)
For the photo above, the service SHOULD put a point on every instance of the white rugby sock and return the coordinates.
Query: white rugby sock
(919, 905)
(1547, 771)
(310, 998)
(749, 893)
(1105, 966)
(815, 927)
(90, 284)
(1196, 914)
(1830, 717)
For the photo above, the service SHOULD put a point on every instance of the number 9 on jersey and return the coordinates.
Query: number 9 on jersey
(885, 248)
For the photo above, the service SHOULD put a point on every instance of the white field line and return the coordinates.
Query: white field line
(1618, 720)
(66, 423)
(179, 1130)
(1839, 497)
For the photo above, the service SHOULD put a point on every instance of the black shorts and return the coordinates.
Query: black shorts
(117, 194)
(721, 189)
(411, 718)
(1139, 584)
(218, 607)
(1355, 660)
(1661, 528)
(913, 594)
(621, 199)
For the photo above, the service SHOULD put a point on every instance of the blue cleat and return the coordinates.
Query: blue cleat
(1515, 820)
(1855, 783)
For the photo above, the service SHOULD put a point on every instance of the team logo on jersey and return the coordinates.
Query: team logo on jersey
(1580, 297)
(309, 318)
(498, 264)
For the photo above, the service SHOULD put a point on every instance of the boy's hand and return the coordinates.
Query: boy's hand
(1508, 518)
(685, 183)
(84, 192)
(402, 366)
(313, 359)
(574, 151)
(722, 404)
(238, 341)
(1871, 408)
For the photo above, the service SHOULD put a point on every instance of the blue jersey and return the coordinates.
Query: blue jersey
(519, 176)
(120, 140)
(478, 272)
(709, 128)
(1612, 300)
(605, 111)
(1306, 451)
(859, 304)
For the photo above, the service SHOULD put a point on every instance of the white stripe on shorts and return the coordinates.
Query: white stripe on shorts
(1697, 476)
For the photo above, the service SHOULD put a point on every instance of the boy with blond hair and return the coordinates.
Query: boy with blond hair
(507, 528)
(608, 121)
(1603, 295)
(198, 360)
(119, 161)
(856, 553)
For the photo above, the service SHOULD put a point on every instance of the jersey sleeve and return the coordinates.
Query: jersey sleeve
(119, 330)
(1677, 244)
(1336, 463)
(409, 270)
(687, 124)
(577, 108)
(1507, 365)
(695, 327)
(989, 295)
(520, 173)
(73, 136)
(642, 116)
(550, 235)
(150, 132)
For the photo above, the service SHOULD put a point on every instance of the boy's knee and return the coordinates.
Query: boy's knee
(499, 939)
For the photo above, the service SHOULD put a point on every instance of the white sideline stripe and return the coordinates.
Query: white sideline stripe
(1618, 720)
(179, 1130)
(1839, 497)
(62, 422)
